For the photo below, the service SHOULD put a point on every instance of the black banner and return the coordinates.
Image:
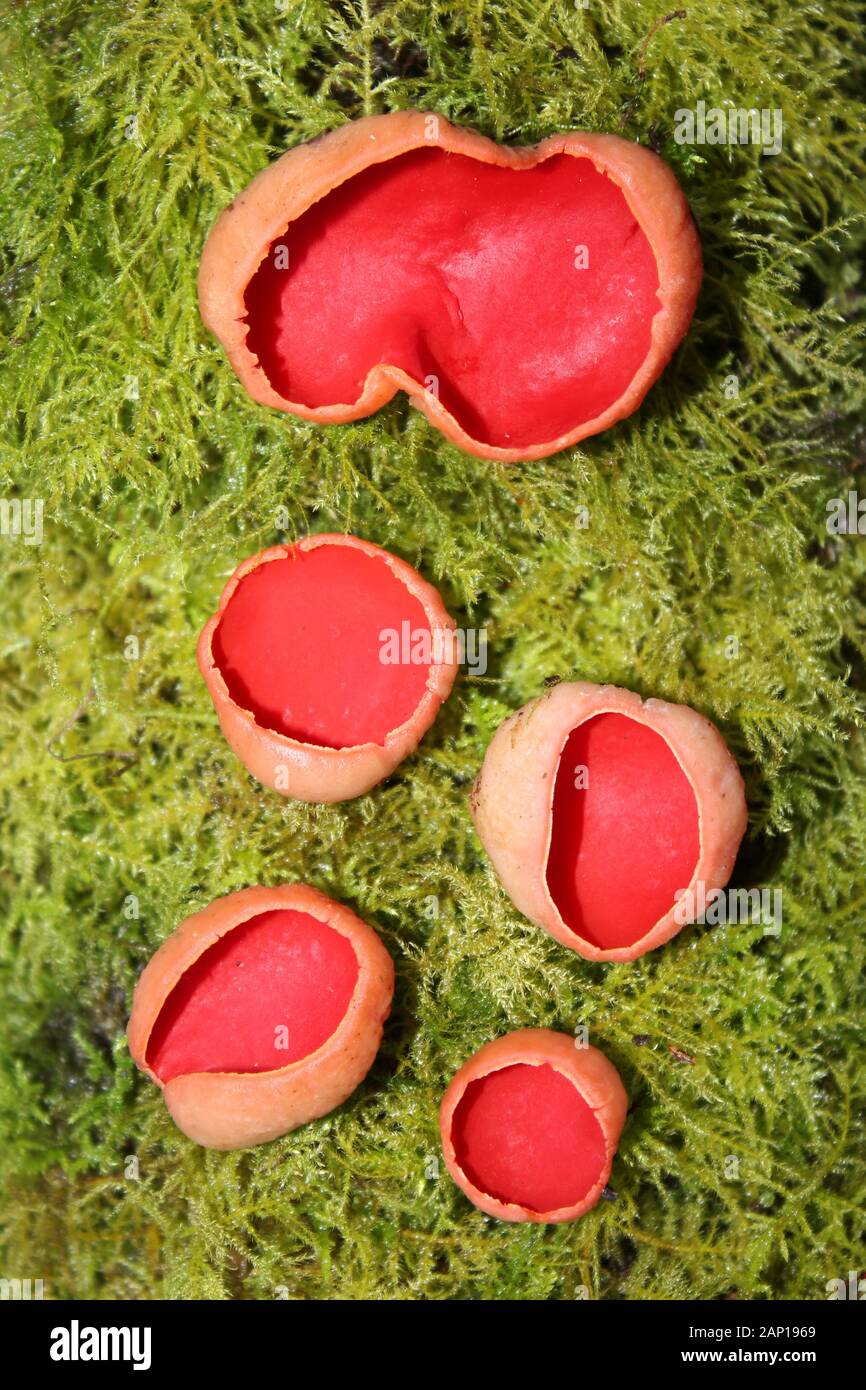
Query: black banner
(83, 1338)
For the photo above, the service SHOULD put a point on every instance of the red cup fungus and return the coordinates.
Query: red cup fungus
(603, 815)
(260, 1013)
(530, 1125)
(524, 298)
(327, 661)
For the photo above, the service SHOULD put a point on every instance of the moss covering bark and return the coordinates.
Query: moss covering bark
(684, 554)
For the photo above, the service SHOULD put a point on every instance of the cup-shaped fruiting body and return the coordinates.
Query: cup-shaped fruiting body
(608, 818)
(260, 1013)
(530, 1125)
(524, 298)
(327, 661)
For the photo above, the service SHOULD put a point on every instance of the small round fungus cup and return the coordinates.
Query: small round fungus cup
(523, 298)
(260, 1013)
(530, 1126)
(327, 661)
(607, 818)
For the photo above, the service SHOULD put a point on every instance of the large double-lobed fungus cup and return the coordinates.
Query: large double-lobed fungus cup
(260, 1013)
(530, 1125)
(327, 661)
(606, 816)
(524, 298)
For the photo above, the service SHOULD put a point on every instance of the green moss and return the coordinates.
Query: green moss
(128, 127)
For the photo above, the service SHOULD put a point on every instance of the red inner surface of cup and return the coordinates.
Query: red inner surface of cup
(301, 645)
(625, 835)
(523, 298)
(525, 1135)
(267, 993)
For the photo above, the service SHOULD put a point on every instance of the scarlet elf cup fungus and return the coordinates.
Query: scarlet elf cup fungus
(524, 298)
(600, 811)
(530, 1125)
(327, 661)
(260, 1013)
